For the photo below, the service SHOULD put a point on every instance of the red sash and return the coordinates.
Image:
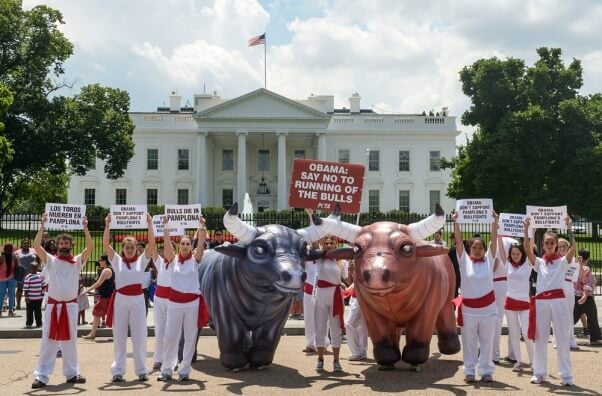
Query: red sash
(337, 300)
(134, 289)
(59, 325)
(349, 292)
(162, 291)
(308, 288)
(479, 302)
(181, 298)
(515, 305)
(546, 295)
(501, 278)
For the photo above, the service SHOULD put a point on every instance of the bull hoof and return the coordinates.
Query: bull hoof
(260, 358)
(386, 355)
(233, 361)
(449, 343)
(415, 353)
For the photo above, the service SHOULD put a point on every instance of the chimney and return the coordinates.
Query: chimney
(354, 103)
(174, 102)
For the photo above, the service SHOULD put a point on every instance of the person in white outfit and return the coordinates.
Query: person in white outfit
(60, 317)
(160, 304)
(126, 308)
(311, 269)
(477, 311)
(186, 308)
(570, 278)
(516, 301)
(355, 327)
(548, 305)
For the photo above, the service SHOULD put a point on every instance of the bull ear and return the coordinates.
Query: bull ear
(429, 250)
(231, 250)
(340, 254)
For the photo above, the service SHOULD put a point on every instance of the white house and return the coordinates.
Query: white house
(216, 151)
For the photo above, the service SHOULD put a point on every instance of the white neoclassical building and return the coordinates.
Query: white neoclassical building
(215, 152)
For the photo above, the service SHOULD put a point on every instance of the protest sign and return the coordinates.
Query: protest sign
(512, 225)
(547, 216)
(128, 217)
(474, 211)
(64, 216)
(186, 216)
(321, 185)
(174, 229)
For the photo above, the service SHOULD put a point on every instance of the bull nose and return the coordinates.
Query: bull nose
(303, 277)
(367, 275)
(386, 276)
(286, 276)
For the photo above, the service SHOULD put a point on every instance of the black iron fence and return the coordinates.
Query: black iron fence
(14, 228)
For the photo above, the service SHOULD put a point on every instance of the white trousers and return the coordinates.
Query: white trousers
(355, 327)
(160, 316)
(552, 311)
(500, 289)
(570, 300)
(477, 344)
(48, 347)
(129, 311)
(324, 321)
(309, 321)
(180, 316)
(518, 321)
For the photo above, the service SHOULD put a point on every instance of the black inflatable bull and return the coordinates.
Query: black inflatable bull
(249, 288)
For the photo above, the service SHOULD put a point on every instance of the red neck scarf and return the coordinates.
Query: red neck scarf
(550, 259)
(128, 261)
(515, 265)
(181, 259)
(477, 260)
(69, 258)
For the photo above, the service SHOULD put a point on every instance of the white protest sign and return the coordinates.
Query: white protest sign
(186, 216)
(512, 225)
(174, 230)
(475, 211)
(547, 216)
(64, 216)
(128, 217)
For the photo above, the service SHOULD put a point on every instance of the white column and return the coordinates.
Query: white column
(241, 169)
(282, 195)
(321, 145)
(201, 167)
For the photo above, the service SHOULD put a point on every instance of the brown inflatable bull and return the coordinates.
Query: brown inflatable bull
(401, 281)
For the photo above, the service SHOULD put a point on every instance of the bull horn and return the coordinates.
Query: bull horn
(241, 230)
(338, 228)
(428, 226)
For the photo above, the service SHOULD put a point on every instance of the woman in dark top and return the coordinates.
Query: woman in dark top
(105, 284)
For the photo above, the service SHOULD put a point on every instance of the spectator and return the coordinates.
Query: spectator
(82, 302)
(34, 294)
(25, 257)
(584, 299)
(105, 284)
(438, 240)
(8, 263)
(219, 239)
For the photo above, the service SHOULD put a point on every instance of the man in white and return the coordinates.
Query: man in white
(60, 316)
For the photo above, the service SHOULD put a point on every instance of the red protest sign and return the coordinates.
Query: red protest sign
(321, 185)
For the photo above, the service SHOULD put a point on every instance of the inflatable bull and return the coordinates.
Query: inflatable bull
(401, 281)
(249, 288)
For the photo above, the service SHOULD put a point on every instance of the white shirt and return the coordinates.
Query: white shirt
(311, 269)
(329, 271)
(185, 276)
(163, 273)
(65, 277)
(125, 276)
(476, 280)
(550, 276)
(518, 281)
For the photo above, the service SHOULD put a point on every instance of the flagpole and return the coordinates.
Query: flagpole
(265, 62)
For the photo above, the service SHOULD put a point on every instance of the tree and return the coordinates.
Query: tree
(50, 133)
(534, 136)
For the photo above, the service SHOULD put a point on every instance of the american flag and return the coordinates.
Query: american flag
(257, 40)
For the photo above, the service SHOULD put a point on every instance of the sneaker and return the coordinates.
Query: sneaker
(575, 347)
(164, 377)
(469, 379)
(182, 378)
(320, 366)
(37, 384)
(76, 379)
(496, 362)
(509, 359)
(157, 366)
(142, 378)
(487, 378)
(518, 367)
(566, 382)
(117, 378)
(537, 379)
(309, 350)
(356, 358)
(336, 367)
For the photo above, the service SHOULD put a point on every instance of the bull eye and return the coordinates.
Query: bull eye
(407, 249)
(259, 250)
(356, 249)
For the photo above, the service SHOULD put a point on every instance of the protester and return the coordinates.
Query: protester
(311, 269)
(571, 276)
(60, 316)
(34, 294)
(355, 326)
(26, 258)
(8, 284)
(105, 285)
(584, 299)
(160, 304)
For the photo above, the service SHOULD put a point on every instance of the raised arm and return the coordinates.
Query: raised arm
(87, 252)
(527, 243)
(106, 239)
(151, 248)
(573, 247)
(37, 242)
(168, 251)
(202, 235)
(501, 250)
(493, 243)
(458, 235)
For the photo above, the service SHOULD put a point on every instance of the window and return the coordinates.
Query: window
(374, 160)
(227, 198)
(182, 196)
(344, 156)
(228, 160)
(434, 199)
(434, 157)
(121, 196)
(183, 159)
(263, 160)
(89, 196)
(373, 200)
(404, 161)
(152, 159)
(152, 196)
(404, 200)
(299, 153)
